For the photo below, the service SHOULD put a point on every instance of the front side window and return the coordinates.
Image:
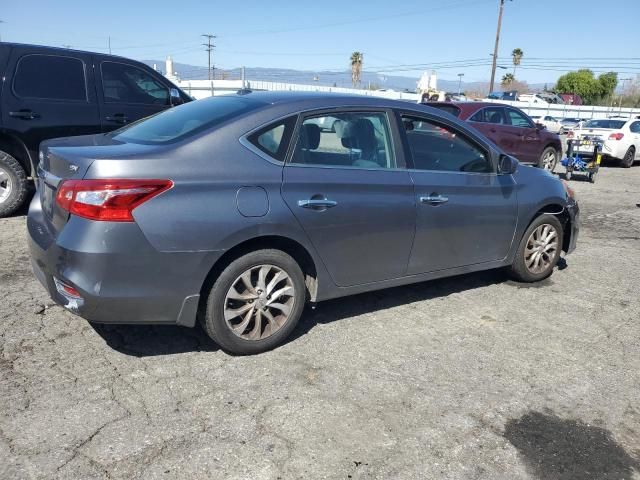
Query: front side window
(50, 77)
(274, 139)
(490, 115)
(349, 139)
(123, 83)
(438, 147)
(518, 119)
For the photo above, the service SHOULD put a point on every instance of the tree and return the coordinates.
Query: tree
(584, 83)
(507, 79)
(357, 59)
(517, 55)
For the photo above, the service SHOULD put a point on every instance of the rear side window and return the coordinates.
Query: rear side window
(274, 139)
(490, 115)
(50, 77)
(186, 120)
(122, 83)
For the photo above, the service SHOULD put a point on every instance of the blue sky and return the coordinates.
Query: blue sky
(402, 37)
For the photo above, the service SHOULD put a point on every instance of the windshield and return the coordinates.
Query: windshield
(186, 120)
(612, 124)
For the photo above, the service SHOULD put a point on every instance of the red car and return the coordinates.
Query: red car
(511, 129)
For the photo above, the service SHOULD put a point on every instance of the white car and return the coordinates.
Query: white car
(621, 137)
(552, 123)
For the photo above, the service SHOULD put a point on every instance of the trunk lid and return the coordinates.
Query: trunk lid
(69, 158)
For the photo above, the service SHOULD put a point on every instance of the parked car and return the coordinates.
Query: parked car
(621, 137)
(511, 95)
(550, 123)
(512, 130)
(240, 207)
(571, 98)
(571, 123)
(53, 92)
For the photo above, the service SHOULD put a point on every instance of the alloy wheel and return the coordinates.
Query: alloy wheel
(549, 160)
(259, 302)
(6, 185)
(541, 249)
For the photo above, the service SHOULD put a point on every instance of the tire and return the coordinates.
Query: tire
(225, 300)
(546, 161)
(13, 185)
(627, 161)
(519, 269)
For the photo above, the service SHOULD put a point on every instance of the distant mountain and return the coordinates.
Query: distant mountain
(324, 78)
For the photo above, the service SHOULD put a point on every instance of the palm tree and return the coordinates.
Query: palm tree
(357, 58)
(517, 55)
(507, 79)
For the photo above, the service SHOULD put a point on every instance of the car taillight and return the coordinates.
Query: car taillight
(570, 134)
(110, 200)
(616, 136)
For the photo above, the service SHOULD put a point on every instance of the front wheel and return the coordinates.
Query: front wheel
(548, 159)
(539, 250)
(256, 302)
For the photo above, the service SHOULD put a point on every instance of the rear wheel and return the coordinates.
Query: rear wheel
(13, 184)
(256, 302)
(627, 161)
(539, 250)
(548, 159)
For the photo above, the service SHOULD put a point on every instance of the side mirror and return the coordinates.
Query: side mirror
(507, 165)
(174, 97)
(540, 126)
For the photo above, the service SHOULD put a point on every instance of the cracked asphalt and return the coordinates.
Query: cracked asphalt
(473, 377)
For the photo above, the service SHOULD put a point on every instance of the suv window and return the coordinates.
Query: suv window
(349, 139)
(274, 139)
(439, 147)
(51, 77)
(518, 119)
(124, 83)
(489, 115)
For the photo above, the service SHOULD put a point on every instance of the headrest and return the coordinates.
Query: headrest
(310, 136)
(357, 134)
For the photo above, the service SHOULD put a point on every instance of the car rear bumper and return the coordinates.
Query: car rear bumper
(574, 219)
(119, 276)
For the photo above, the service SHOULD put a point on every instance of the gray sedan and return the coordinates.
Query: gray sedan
(239, 210)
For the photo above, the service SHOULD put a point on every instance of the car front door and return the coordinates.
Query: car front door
(529, 144)
(48, 95)
(466, 212)
(349, 189)
(634, 128)
(127, 93)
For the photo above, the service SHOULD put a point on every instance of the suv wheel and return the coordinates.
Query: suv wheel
(629, 157)
(539, 250)
(548, 159)
(256, 302)
(13, 184)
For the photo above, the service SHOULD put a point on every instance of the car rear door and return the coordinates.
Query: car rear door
(48, 94)
(466, 212)
(349, 189)
(493, 123)
(127, 92)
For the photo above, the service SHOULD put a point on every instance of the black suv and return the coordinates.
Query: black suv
(49, 92)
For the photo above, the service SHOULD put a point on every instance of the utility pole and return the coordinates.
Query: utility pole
(1, 21)
(495, 50)
(623, 80)
(460, 75)
(210, 46)
(109, 44)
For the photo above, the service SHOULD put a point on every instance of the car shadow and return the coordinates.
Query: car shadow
(154, 340)
(352, 306)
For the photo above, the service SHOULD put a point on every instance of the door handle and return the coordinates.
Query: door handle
(117, 117)
(319, 204)
(433, 199)
(24, 114)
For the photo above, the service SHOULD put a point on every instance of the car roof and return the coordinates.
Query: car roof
(318, 99)
(62, 50)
